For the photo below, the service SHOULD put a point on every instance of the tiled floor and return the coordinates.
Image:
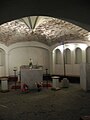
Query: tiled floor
(65, 104)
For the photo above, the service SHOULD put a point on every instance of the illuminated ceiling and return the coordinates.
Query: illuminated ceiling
(43, 29)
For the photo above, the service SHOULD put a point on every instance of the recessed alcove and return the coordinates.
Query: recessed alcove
(78, 55)
(2, 62)
(88, 55)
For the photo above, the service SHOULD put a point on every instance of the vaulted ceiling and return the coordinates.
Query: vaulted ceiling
(44, 29)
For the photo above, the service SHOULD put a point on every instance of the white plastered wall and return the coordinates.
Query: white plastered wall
(20, 53)
(4, 65)
(72, 69)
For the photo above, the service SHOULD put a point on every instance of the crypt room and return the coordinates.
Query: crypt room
(42, 55)
(44, 65)
(55, 48)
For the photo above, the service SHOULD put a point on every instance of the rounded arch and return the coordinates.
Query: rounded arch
(4, 47)
(88, 54)
(57, 56)
(67, 56)
(78, 55)
(2, 62)
(28, 44)
(2, 57)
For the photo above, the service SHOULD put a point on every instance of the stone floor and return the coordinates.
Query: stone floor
(65, 104)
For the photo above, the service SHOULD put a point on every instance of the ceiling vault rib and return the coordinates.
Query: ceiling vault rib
(42, 29)
(25, 23)
(35, 21)
(30, 22)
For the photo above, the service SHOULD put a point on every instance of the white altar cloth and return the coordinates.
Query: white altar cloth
(30, 77)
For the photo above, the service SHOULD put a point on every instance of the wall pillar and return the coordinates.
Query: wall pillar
(6, 64)
(51, 62)
(84, 56)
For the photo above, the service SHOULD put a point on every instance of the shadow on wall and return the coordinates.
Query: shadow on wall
(72, 79)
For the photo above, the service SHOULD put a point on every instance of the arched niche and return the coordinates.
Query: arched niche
(78, 55)
(57, 56)
(67, 56)
(2, 57)
(2, 62)
(88, 55)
